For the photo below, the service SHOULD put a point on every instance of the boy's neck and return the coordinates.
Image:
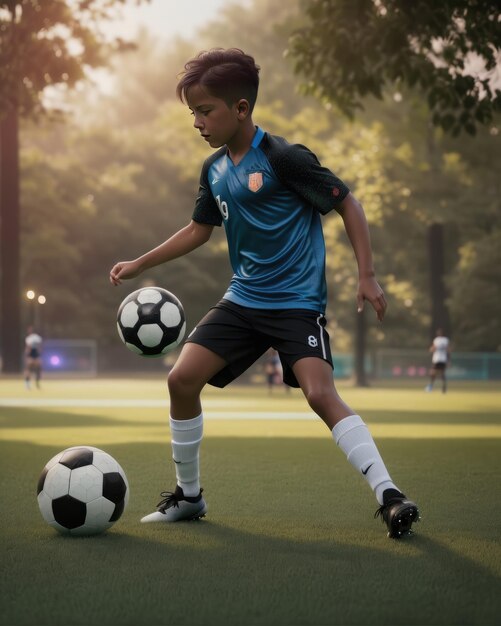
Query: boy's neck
(241, 142)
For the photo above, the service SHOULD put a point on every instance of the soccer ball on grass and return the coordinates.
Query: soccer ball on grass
(82, 491)
(151, 321)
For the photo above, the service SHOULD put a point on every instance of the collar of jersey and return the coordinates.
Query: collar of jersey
(257, 137)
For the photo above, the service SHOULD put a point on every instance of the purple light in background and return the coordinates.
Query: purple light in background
(55, 360)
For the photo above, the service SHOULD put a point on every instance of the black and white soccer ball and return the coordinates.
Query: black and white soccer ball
(82, 491)
(151, 321)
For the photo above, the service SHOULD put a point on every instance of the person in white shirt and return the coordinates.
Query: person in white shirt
(33, 357)
(441, 352)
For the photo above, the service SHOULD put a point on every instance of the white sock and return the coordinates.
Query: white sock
(186, 439)
(353, 437)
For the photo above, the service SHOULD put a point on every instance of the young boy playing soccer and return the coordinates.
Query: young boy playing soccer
(269, 195)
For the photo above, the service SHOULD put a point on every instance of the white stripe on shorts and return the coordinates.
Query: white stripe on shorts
(322, 337)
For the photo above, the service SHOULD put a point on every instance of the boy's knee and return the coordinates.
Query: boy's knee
(182, 382)
(319, 399)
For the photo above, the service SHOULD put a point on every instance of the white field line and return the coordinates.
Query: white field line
(151, 404)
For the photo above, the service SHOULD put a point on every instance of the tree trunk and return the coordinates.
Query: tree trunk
(360, 350)
(10, 291)
(439, 311)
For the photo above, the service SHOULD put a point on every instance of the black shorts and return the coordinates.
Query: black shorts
(240, 335)
(438, 366)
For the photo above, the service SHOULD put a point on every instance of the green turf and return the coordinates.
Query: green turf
(290, 536)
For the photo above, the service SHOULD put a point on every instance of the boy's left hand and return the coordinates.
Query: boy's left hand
(369, 289)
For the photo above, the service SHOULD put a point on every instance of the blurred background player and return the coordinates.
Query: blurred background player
(33, 357)
(272, 368)
(440, 349)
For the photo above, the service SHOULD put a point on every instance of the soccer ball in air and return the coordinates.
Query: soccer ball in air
(82, 491)
(151, 321)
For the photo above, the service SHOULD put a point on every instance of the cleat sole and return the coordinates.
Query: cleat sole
(401, 527)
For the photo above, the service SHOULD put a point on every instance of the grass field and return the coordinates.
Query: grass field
(290, 536)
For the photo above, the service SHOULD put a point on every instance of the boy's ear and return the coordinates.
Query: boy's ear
(243, 108)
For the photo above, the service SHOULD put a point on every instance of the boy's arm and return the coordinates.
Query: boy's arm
(357, 229)
(184, 241)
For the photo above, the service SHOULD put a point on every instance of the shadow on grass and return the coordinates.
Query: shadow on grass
(36, 418)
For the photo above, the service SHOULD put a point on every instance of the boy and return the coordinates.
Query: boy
(269, 195)
(441, 354)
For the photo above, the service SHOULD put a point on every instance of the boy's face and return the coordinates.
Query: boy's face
(217, 122)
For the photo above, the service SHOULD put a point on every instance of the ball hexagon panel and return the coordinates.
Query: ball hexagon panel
(86, 483)
(57, 481)
(170, 315)
(150, 335)
(146, 296)
(99, 512)
(45, 504)
(104, 462)
(129, 316)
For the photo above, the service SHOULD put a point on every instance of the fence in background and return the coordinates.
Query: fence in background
(416, 364)
(82, 358)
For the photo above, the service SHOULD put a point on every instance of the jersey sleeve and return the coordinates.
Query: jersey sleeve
(298, 169)
(206, 210)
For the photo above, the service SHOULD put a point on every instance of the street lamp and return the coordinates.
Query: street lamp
(35, 312)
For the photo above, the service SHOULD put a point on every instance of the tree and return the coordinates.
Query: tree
(447, 50)
(352, 49)
(43, 44)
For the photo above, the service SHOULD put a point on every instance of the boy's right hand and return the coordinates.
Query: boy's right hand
(122, 270)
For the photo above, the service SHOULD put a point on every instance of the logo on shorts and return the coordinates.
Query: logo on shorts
(255, 181)
(312, 341)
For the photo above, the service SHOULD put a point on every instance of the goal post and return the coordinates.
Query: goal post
(69, 357)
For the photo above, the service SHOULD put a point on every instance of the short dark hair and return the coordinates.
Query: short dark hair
(227, 74)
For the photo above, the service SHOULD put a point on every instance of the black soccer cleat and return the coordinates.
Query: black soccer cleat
(398, 513)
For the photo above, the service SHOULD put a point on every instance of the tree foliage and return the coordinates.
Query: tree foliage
(44, 43)
(447, 50)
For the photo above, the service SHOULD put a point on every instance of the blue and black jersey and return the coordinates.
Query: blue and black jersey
(270, 204)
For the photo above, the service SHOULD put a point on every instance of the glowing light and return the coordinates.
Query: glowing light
(55, 360)
(30, 294)
(42, 299)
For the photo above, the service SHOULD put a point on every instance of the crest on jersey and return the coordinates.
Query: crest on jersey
(255, 181)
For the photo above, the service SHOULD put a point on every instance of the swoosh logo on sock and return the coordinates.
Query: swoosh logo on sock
(364, 472)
